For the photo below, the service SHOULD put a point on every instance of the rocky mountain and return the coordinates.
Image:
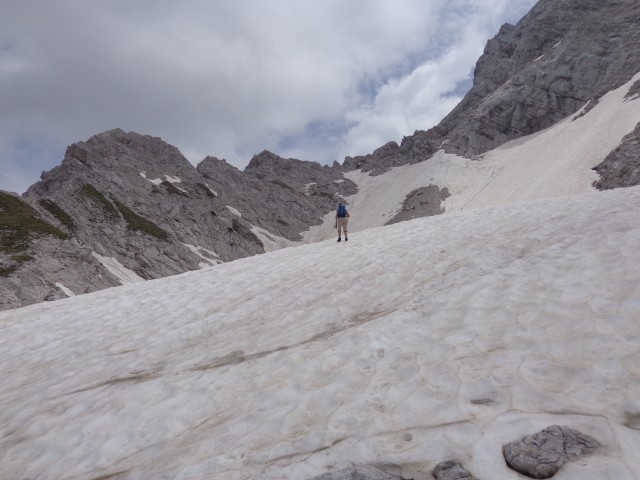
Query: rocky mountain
(563, 55)
(125, 207)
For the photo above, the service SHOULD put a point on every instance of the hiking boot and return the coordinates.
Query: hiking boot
(339, 239)
(346, 239)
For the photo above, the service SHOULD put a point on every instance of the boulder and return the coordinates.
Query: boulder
(356, 473)
(541, 455)
(451, 470)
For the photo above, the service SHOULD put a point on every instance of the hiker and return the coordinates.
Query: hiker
(342, 218)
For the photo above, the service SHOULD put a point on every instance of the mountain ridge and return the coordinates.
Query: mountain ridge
(531, 75)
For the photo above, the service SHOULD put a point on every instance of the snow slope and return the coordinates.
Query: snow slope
(557, 161)
(439, 338)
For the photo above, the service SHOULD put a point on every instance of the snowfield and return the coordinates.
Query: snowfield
(439, 338)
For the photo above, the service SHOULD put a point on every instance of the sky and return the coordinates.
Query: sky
(304, 79)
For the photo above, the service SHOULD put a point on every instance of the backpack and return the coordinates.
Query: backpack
(342, 211)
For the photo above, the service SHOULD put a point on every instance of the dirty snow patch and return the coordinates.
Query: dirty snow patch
(65, 290)
(307, 186)
(234, 211)
(155, 181)
(125, 275)
(270, 241)
(215, 194)
(171, 179)
(210, 257)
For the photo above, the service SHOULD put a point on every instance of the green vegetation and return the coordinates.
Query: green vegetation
(141, 224)
(134, 221)
(99, 199)
(6, 271)
(19, 224)
(205, 190)
(172, 189)
(283, 185)
(21, 258)
(62, 216)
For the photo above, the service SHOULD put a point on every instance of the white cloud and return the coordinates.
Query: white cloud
(420, 99)
(233, 78)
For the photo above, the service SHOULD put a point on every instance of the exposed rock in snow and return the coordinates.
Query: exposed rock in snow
(421, 202)
(541, 455)
(451, 470)
(621, 168)
(359, 473)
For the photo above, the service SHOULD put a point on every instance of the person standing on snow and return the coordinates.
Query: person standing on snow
(342, 218)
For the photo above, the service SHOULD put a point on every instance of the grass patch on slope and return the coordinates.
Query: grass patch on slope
(55, 210)
(141, 224)
(90, 192)
(19, 224)
(284, 185)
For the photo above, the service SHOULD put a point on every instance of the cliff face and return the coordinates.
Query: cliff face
(563, 55)
(283, 196)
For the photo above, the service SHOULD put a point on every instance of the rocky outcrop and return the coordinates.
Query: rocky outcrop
(621, 168)
(358, 473)
(537, 456)
(451, 470)
(283, 196)
(560, 56)
(422, 202)
(541, 455)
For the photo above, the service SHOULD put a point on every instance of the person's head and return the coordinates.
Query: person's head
(340, 205)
